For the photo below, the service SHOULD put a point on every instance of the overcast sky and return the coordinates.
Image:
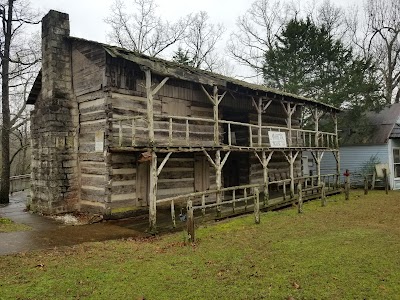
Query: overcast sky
(87, 16)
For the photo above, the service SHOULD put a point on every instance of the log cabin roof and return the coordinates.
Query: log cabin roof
(175, 70)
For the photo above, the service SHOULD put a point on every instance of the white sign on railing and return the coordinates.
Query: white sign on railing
(277, 139)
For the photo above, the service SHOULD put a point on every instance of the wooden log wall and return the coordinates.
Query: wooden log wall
(178, 176)
(93, 171)
(124, 184)
(88, 67)
(133, 104)
(278, 168)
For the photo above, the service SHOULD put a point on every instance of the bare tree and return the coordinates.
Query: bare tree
(143, 30)
(256, 32)
(201, 41)
(258, 28)
(383, 36)
(16, 62)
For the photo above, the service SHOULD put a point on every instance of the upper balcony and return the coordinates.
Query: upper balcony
(189, 132)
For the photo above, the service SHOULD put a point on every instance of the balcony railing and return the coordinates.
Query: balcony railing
(176, 131)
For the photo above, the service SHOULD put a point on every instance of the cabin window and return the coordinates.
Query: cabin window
(396, 162)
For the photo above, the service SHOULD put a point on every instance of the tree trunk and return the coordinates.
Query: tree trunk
(5, 129)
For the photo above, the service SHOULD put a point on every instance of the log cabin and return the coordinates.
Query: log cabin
(114, 131)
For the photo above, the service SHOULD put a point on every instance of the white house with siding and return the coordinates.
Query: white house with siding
(381, 144)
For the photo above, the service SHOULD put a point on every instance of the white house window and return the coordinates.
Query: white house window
(396, 162)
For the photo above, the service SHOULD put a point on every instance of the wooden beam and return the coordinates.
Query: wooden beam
(163, 163)
(221, 97)
(318, 158)
(336, 154)
(150, 112)
(291, 160)
(225, 159)
(209, 158)
(266, 106)
(284, 108)
(265, 161)
(159, 86)
(259, 121)
(218, 181)
(216, 116)
(207, 94)
(153, 193)
(255, 104)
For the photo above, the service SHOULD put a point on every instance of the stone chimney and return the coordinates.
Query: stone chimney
(54, 124)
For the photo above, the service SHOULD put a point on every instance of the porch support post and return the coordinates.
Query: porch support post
(318, 155)
(289, 110)
(150, 95)
(218, 165)
(264, 160)
(317, 115)
(291, 158)
(337, 152)
(215, 99)
(153, 193)
(259, 120)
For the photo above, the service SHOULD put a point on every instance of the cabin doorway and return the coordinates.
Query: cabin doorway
(201, 173)
(236, 169)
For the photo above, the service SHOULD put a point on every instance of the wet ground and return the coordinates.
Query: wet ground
(48, 233)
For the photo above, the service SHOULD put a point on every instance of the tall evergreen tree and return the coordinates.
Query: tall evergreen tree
(182, 57)
(308, 61)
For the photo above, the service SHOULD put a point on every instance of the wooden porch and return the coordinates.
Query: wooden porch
(155, 138)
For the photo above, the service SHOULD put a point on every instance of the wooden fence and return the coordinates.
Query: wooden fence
(246, 197)
(19, 183)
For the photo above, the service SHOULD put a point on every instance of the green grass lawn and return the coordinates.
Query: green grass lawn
(347, 250)
(7, 225)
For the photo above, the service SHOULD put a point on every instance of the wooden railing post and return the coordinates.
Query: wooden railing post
(385, 180)
(190, 221)
(229, 135)
(173, 214)
(366, 185)
(234, 201)
(256, 205)
(170, 132)
(250, 136)
(245, 197)
(300, 200)
(347, 187)
(203, 203)
(323, 196)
